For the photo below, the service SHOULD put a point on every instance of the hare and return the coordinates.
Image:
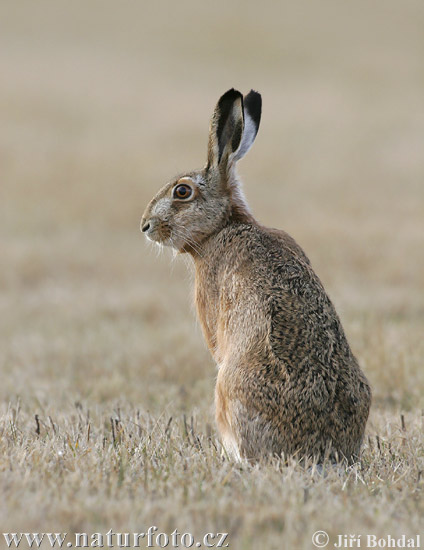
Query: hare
(287, 383)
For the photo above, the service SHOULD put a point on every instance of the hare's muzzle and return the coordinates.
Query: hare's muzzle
(147, 226)
(144, 226)
(148, 223)
(154, 229)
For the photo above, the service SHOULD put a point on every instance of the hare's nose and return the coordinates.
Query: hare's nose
(145, 227)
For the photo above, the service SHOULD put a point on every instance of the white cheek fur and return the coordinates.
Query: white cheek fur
(161, 208)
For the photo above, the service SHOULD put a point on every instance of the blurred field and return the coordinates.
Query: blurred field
(101, 103)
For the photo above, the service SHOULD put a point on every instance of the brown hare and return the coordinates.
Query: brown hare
(288, 383)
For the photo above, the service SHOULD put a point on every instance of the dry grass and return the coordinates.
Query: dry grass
(169, 472)
(101, 104)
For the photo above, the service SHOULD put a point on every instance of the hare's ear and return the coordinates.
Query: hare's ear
(226, 128)
(252, 118)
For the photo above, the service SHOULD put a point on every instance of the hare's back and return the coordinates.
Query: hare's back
(304, 328)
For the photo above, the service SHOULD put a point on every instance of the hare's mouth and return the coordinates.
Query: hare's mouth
(161, 233)
(156, 230)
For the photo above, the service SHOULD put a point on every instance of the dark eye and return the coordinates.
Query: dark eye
(182, 191)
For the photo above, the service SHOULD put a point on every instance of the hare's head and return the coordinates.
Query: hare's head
(193, 206)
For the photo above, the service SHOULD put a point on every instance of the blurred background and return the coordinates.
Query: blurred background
(102, 102)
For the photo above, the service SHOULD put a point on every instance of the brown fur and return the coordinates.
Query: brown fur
(288, 383)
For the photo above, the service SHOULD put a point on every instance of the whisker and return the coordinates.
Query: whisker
(180, 232)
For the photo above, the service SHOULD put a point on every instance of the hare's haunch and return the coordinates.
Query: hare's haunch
(288, 383)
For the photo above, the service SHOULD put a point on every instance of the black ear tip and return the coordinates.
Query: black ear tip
(254, 98)
(253, 104)
(230, 96)
(254, 93)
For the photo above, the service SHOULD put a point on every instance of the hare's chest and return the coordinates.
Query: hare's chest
(207, 299)
(217, 305)
(212, 309)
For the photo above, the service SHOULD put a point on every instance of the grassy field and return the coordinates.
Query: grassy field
(106, 394)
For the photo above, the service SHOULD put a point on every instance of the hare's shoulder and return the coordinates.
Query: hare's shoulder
(285, 241)
(268, 263)
(268, 271)
(291, 291)
(269, 252)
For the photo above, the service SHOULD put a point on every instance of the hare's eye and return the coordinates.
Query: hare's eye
(182, 191)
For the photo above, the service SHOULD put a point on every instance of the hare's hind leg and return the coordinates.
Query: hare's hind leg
(247, 432)
(224, 420)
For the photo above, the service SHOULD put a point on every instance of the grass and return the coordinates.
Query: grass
(131, 470)
(98, 337)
